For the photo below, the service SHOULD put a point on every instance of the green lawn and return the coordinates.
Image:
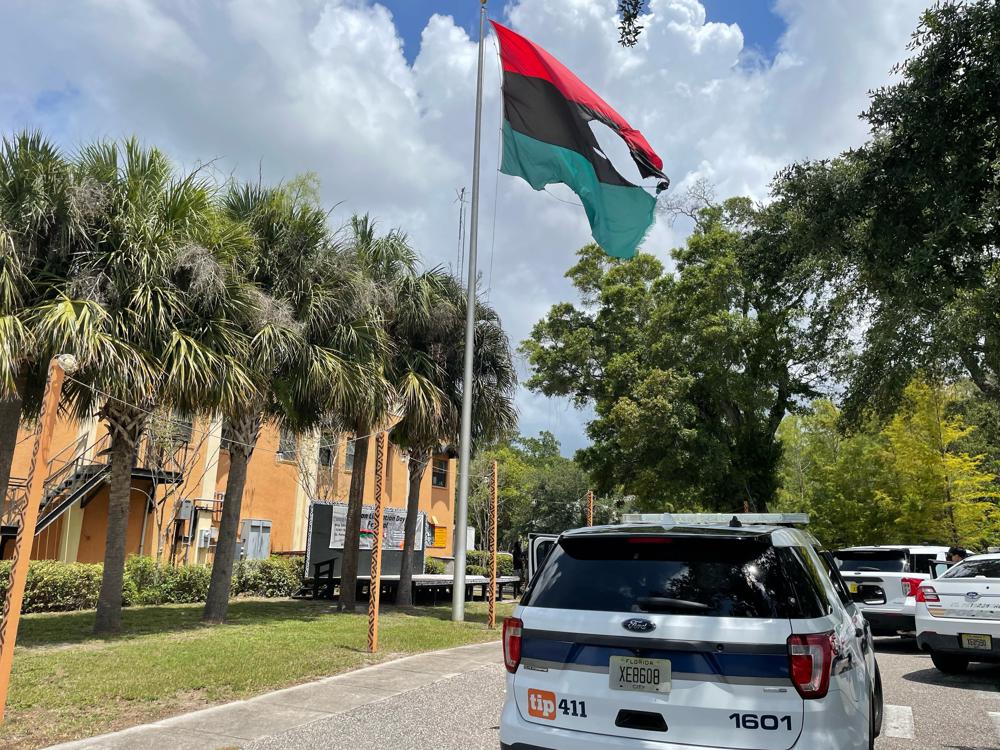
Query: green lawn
(67, 684)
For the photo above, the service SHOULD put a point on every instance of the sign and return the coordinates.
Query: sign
(393, 527)
(440, 536)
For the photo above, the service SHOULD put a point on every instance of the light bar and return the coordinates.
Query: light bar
(718, 519)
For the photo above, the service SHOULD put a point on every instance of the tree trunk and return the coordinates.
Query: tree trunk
(418, 464)
(124, 439)
(352, 532)
(10, 420)
(245, 432)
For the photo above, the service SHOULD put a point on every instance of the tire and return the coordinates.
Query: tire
(872, 734)
(950, 664)
(879, 702)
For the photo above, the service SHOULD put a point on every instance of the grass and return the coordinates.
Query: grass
(67, 684)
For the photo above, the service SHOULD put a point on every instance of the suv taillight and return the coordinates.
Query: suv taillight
(911, 586)
(810, 658)
(927, 594)
(512, 643)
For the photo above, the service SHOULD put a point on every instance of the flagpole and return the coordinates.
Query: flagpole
(462, 502)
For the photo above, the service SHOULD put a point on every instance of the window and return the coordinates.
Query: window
(988, 568)
(349, 456)
(327, 449)
(439, 472)
(226, 442)
(694, 576)
(838, 580)
(286, 445)
(183, 428)
(872, 561)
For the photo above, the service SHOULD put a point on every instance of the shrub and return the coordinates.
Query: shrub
(275, 576)
(184, 584)
(476, 570)
(481, 559)
(57, 587)
(434, 566)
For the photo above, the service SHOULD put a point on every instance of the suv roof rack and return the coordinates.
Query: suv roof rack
(717, 519)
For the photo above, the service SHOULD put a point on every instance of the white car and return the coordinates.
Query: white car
(958, 614)
(884, 580)
(689, 637)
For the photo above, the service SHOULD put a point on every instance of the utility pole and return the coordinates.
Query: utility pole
(465, 440)
(27, 517)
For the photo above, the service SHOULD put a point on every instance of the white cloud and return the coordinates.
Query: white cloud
(323, 85)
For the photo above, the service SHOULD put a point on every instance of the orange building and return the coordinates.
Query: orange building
(178, 486)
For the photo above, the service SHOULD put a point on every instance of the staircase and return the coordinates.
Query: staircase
(73, 477)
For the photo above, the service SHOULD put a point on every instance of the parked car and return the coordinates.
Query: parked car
(884, 580)
(686, 637)
(958, 614)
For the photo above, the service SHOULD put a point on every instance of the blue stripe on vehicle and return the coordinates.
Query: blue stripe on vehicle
(690, 662)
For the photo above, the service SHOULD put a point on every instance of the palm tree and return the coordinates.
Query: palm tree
(399, 296)
(40, 217)
(425, 426)
(164, 310)
(310, 351)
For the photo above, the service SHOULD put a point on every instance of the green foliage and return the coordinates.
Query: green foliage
(275, 576)
(61, 587)
(434, 566)
(909, 481)
(476, 570)
(690, 373)
(480, 558)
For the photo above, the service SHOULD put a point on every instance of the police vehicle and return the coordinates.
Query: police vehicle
(690, 632)
(884, 580)
(958, 614)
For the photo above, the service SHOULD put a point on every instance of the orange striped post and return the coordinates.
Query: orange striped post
(375, 582)
(590, 507)
(492, 611)
(27, 517)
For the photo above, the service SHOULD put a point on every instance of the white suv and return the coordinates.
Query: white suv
(958, 614)
(884, 580)
(688, 637)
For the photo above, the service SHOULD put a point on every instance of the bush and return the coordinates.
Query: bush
(57, 587)
(434, 566)
(476, 570)
(481, 559)
(273, 577)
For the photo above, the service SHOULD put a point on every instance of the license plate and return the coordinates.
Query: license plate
(638, 674)
(976, 641)
(853, 586)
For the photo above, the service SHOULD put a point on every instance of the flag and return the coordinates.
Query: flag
(547, 139)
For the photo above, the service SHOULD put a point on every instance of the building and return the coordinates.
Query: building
(179, 483)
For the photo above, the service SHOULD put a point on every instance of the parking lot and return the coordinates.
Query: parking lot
(927, 710)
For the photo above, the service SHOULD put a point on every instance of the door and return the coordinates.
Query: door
(256, 539)
(539, 546)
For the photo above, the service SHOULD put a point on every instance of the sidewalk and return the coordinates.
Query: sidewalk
(235, 724)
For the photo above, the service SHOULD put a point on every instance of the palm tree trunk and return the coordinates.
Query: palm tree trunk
(125, 431)
(418, 464)
(352, 531)
(10, 420)
(245, 434)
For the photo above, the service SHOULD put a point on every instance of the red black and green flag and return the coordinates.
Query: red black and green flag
(547, 140)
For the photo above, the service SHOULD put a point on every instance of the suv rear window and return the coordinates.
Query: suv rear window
(875, 561)
(700, 576)
(973, 568)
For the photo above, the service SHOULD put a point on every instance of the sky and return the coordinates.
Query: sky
(377, 99)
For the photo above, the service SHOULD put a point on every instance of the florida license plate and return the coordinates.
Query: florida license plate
(852, 586)
(637, 673)
(976, 641)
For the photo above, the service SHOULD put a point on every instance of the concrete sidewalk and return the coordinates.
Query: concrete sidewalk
(235, 724)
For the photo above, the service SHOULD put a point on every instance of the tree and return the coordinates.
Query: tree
(691, 373)
(307, 356)
(390, 264)
(158, 300)
(914, 211)
(41, 212)
(428, 371)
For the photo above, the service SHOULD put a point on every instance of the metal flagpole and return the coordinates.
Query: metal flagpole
(462, 502)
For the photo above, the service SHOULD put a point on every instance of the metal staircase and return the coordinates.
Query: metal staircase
(75, 476)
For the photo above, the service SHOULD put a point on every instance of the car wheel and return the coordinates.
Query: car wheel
(950, 664)
(879, 701)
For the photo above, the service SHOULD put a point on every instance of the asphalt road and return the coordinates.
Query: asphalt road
(925, 711)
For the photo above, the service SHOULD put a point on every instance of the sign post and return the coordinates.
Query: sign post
(590, 507)
(492, 614)
(375, 582)
(27, 517)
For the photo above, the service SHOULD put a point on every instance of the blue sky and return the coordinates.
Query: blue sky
(760, 25)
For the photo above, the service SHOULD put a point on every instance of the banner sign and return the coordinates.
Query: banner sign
(393, 527)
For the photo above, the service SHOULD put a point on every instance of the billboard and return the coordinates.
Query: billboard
(393, 527)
